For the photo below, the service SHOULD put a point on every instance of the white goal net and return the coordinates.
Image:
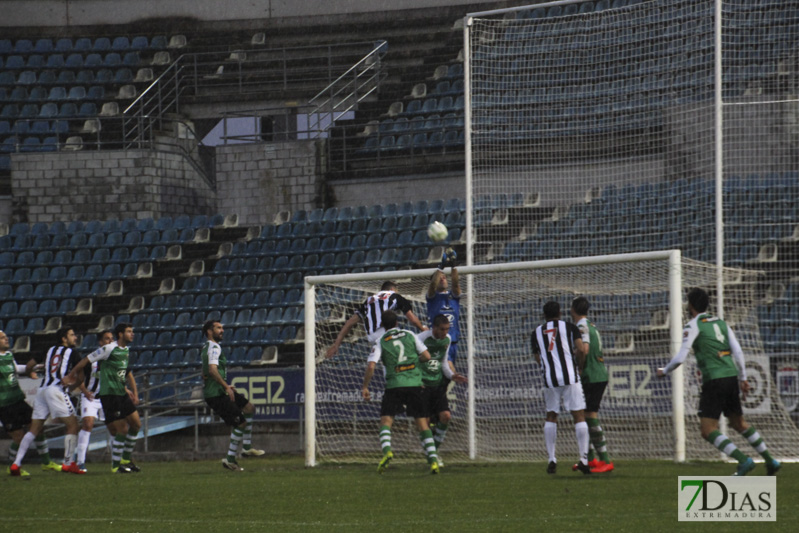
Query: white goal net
(616, 126)
(636, 302)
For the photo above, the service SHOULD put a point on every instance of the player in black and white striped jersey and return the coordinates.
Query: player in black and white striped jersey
(52, 399)
(91, 408)
(556, 344)
(371, 313)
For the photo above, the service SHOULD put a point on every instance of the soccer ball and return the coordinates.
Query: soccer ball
(437, 231)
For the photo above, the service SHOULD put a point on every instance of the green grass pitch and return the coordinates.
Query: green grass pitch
(280, 494)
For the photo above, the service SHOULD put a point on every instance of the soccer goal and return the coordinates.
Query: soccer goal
(637, 304)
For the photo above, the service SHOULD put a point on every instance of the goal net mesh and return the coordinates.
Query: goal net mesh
(630, 306)
(591, 130)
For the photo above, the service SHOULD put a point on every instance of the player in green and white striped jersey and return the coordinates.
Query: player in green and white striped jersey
(721, 362)
(594, 376)
(231, 406)
(401, 354)
(119, 395)
(15, 413)
(434, 371)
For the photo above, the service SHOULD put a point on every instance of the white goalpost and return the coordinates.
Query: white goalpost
(497, 417)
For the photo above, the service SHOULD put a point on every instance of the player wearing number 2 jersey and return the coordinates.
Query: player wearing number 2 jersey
(401, 354)
(721, 361)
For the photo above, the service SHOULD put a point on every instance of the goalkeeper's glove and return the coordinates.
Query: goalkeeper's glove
(448, 259)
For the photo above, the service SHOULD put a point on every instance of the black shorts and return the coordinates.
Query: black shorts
(593, 395)
(720, 396)
(403, 400)
(435, 400)
(16, 416)
(229, 411)
(116, 407)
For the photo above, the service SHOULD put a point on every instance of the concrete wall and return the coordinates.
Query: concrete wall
(52, 13)
(397, 190)
(257, 181)
(89, 185)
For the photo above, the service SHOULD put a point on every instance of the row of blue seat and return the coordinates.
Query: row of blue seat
(113, 225)
(419, 142)
(38, 127)
(236, 316)
(431, 123)
(345, 227)
(231, 291)
(445, 104)
(45, 290)
(72, 61)
(46, 78)
(83, 44)
(92, 241)
(82, 256)
(106, 271)
(338, 214)
(49, 110)
(57, 93)
(255, 336)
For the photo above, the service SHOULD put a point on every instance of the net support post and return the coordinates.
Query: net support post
(470, 396)
(675, 340)
(310, 374)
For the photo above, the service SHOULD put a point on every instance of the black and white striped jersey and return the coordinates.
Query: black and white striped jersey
(57, 363)
(92, 380)
(371, 311)
(554, 342)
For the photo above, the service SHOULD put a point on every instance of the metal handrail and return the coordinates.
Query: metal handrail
(373, 65)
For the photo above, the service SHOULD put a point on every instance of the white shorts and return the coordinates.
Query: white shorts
(52, 402)
(572, 396)
(91, 408)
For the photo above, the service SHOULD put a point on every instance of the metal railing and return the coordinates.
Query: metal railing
(349, 89)
(243, 72)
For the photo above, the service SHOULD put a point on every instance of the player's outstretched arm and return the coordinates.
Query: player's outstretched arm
(345, 329)
(72, 378)
(456, 282)
(415, 321)
(451, 373)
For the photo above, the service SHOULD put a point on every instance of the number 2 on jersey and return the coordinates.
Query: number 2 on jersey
(401, 348)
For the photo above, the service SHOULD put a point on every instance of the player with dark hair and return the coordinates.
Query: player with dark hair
(15, 413)
(721, 362)
(236, 410)
(52, 400)
(400, 351)
(119, 403)
(556, 344)
(594, 377)
(437, 341)
(91, 408)
(371, 313)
